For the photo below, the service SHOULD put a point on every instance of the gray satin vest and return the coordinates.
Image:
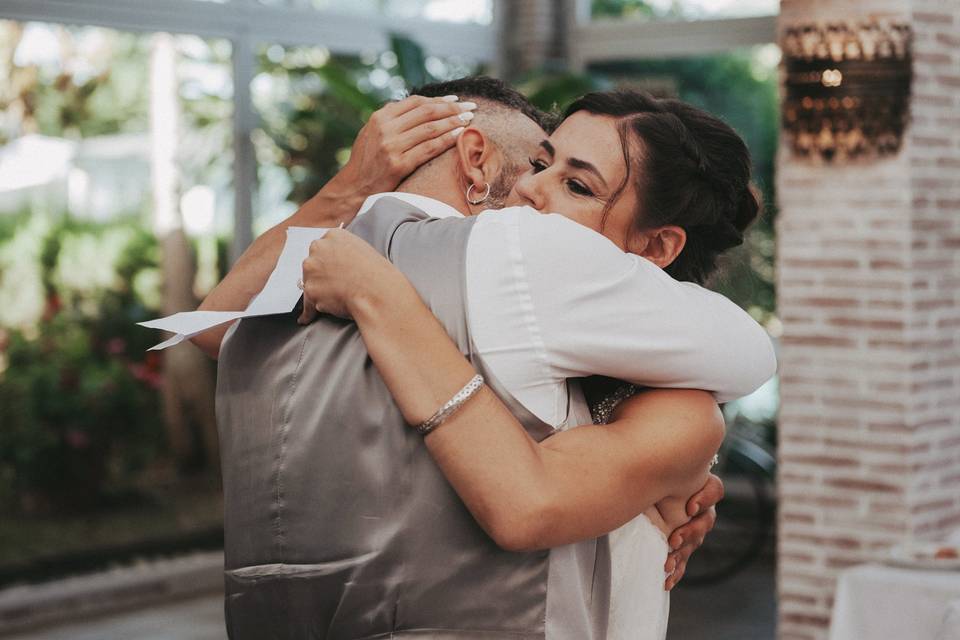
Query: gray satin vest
(338, 524)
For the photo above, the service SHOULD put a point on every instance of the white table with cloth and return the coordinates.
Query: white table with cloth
(878, 602)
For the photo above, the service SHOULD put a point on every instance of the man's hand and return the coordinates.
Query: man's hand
(687, 538)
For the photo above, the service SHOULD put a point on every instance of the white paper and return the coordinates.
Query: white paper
(279, 295)
(281, 292)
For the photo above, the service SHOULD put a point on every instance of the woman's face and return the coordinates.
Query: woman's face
(576, 173)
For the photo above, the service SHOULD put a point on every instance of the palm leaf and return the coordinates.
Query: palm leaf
(411, 60)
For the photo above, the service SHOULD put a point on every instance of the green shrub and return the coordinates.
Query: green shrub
(78, 393)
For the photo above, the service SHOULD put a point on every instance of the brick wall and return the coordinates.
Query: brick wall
(869, 295)
(533, 35)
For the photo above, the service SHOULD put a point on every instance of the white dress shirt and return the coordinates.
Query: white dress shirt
(550, 299)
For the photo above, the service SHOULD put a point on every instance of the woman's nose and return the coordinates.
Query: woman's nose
(529, 189)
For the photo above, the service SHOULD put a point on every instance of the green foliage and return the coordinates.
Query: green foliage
(328, 99)
(553, 92)
(621, 9)
(104, 95)
(78, 396)
(411, 61)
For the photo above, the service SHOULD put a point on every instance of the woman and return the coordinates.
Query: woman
(658, 178)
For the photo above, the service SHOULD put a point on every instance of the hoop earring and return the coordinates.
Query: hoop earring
(482, 199)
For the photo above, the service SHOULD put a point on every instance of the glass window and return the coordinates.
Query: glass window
(106, 137)
(683, 9)
(462, 11)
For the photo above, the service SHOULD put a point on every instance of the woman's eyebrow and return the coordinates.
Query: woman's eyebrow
(577, 163)
(548, 147)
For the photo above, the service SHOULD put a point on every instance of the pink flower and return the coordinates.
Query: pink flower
(69, 379)
(52, 308)
(116, 346)
(145, 374)
(77, 439)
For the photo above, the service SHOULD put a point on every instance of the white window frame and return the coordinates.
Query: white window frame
(608, 39)
(248, 24)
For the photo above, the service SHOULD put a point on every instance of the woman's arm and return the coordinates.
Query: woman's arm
(646, 327)
(392, 144)
(527, 495)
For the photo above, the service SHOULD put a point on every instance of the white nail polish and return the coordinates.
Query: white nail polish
(456, 132)
(450, 98)
(466, 116)
(468, 106)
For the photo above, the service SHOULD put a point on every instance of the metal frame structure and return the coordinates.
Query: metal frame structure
(606, 40)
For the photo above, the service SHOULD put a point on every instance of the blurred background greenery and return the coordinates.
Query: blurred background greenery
(93, 462)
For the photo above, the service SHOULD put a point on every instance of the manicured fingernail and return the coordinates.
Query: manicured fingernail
(696, 509)
(468, 106)
(456, 132)
(450, 98)
(466, 116)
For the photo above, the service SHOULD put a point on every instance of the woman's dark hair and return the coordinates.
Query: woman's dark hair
(690, 170)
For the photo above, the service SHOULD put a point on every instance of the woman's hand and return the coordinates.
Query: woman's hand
(398, 138)
(701, 507)
(403, 135)
(341, 271)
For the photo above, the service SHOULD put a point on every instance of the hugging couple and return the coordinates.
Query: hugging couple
(495, 413)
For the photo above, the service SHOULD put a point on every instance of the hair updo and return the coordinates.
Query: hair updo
(689, 169)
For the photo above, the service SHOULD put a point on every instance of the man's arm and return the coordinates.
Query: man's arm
(394, 142)
(591, 309)
(249, 274)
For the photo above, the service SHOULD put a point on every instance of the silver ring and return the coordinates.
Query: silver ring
(300, 284)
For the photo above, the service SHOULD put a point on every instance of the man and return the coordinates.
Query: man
(338, 524)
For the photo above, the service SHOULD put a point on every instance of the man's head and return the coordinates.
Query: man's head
(491, 152)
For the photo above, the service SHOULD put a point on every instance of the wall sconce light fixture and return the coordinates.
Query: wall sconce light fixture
(847, 89)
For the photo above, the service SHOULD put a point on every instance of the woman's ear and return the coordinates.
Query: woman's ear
(476, 158)
(662, 245)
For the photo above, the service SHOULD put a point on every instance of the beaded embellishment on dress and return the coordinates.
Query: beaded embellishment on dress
(602, 411)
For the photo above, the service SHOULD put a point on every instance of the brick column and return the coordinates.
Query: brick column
(533, 36)
(869, 296)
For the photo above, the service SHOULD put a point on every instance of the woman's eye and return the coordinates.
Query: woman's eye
(579, 188)
(537, 165)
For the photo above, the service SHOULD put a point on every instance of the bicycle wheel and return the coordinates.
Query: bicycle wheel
(745, 516)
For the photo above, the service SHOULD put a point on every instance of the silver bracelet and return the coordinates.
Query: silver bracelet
(451, 406)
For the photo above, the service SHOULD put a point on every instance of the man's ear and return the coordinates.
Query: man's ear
(661, 245)
(477, 159)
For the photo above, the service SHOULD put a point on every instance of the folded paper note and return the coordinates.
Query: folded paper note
(279, 295)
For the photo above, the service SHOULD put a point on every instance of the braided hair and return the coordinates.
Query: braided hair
(689, 169)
